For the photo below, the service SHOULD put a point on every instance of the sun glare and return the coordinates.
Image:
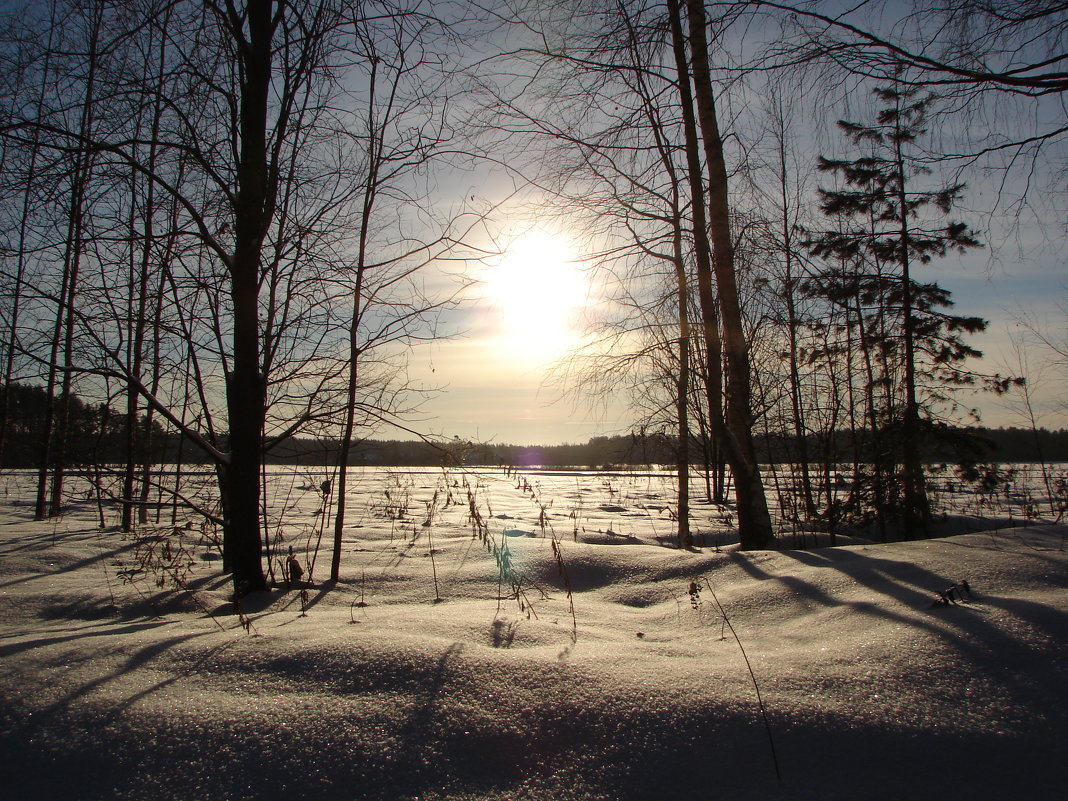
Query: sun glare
(537, 289)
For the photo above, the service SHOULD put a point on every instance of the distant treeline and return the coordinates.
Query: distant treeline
(97, 435)
(995, 445)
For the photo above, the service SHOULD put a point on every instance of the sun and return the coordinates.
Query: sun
(537, 289)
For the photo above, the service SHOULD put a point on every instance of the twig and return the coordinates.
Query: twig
(695, 591)
(558, 555)
(433, 566)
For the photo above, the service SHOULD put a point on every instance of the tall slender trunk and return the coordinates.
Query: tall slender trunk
(792, 324)
(702, 248)
(754, 520)
(245, 388)
(148, 443)
(855, 415)
(148, 422)
(57, 425)
(917, 510)
(62, 418)
(879, 466)
(350, 407)
(707, 469)
(682, 388)
(370, 195)
(140, 272)
(711, 451)
(48, 428)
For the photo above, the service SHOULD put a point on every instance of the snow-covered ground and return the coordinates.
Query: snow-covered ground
(532, 636)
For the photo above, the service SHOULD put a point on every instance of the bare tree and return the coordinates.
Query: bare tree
(1014, 47)
(23, 188)
(61, 360)
(231, 170)
(754, 521)
(400, 131)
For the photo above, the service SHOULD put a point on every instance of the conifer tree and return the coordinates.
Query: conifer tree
(893, 220)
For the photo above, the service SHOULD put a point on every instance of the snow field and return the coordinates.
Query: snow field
(113, 687)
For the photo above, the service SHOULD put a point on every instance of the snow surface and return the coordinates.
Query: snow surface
(602, 680)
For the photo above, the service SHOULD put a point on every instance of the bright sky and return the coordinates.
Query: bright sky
(526, 313)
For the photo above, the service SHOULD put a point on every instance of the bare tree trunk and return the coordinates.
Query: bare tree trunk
(137, 309)
(44, 453)
(702, 247)
(712, 493)
(149, 420)
(62, 415)
(877, 453)
(245, 389)
(754, 521)
(682, 398)
(163, 276)
(792, 324)
(714, 467)
(140, 273)
(53, 451)
(350, 390)
(370, 194)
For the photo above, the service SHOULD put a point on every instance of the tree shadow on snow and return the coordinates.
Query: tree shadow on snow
(905, 593)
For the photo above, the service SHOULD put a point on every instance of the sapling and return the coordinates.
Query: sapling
(324, 490)
(558, 555)
(361, 603)
(433, 565)
(99, 493)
